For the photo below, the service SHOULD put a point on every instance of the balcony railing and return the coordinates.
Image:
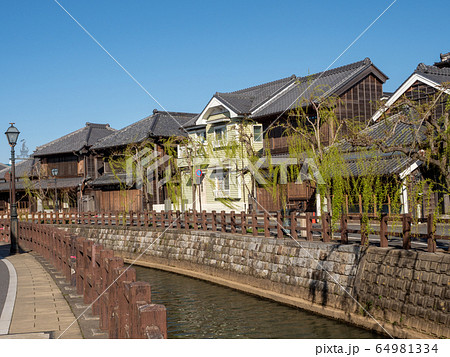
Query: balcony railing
(277, 145)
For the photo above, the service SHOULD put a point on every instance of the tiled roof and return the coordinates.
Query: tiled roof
(3, 166)
(433, 73)
(71, 182)
(283, 94)
(159, 124)
(76, 140)
(376, 162)
(245, 100)
(109, 179)
(23, 168)
(391, 131)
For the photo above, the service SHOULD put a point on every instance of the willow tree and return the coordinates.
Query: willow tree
(420, 129)
(316, 136)
(141, 166)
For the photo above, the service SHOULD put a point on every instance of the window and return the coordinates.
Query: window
(223, 180)
(222, 183)
(220, 135)
(201, 135)
(257, 133)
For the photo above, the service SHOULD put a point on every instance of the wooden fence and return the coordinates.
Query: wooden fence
(306, 225)
(124, 305)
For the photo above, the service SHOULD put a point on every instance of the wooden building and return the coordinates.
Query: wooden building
(57, 172)
(110, 190)
(422, 86)
(357, 86)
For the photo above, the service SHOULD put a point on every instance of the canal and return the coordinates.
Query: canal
(198, 309)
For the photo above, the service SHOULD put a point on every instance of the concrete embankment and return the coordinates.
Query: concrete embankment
(397, 292)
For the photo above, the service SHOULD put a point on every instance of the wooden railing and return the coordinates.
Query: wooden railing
(305, 226)
(124, 305)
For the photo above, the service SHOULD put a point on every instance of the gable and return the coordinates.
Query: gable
(414, 81)
(216, 111)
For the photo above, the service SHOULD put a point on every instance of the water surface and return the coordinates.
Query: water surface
(199, 309)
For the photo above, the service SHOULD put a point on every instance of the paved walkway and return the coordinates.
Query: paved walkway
(40, 310)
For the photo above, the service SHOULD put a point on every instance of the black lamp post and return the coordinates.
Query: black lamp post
(12, 134)
(55, 173)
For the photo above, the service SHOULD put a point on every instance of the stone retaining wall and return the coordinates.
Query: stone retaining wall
(407, 292)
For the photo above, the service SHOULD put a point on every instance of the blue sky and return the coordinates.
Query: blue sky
(54, 78)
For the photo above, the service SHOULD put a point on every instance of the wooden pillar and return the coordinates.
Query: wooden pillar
(232, 222)
(431, 230)
(213, 221)
(406, 218)
(309, 236)
(326, 227)
(364, 230)
(254, 224)
(204, 222)
(266, 225)
(223, 221)
(178, 218)
(344, 229)
(279, 225)
(384, 231)
(194, 220)
(243, 223)
(293, 225)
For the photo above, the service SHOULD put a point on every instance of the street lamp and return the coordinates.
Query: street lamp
(55, 173)
(12, 134)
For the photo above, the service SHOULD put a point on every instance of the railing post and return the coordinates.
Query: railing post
(406, 218)
(364, 230)
(431, 230)
(163, 219)
(243, 223)
(178, 217)
(266, 225)
(213, 221)
(309, 236)
(194, 220)
(153, 212)
(254, 224)
(169, 215)
(223, 221)
(384, 231)
(233, 222)
(344, 229)
(326, 227)
(186, 220)
(279, 225)
(204, 223)
(293, 225)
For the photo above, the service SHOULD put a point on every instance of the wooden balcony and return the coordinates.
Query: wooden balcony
(278, 145)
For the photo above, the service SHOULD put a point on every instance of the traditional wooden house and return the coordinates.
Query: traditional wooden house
(146, 138)
(25, 171)
(431, 85)
(64, 166)
(358, 86)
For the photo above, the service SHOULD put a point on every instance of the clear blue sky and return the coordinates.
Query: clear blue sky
(54, 78)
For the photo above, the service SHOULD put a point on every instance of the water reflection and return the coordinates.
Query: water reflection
(198, 309)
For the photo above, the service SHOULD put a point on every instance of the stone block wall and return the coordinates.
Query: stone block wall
(408, 292)
(408, 289)
(279, 265)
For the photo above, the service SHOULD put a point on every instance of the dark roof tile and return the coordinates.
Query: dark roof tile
(159, 124)
(75, 141)
(433, 73)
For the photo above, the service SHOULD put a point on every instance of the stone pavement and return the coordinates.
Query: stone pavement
(40, 310)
